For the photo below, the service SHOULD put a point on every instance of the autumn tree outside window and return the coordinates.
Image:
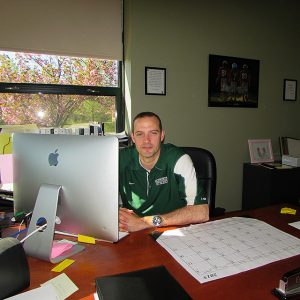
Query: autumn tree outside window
(60, 91)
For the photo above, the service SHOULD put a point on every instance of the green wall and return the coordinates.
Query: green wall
(179, 35)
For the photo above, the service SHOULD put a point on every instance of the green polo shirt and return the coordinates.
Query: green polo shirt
(159, 191)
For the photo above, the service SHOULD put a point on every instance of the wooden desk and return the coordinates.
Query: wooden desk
(139, 250)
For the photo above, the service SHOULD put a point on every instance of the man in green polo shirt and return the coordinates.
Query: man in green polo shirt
(158, 183)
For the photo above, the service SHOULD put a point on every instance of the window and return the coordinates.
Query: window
(60, 91)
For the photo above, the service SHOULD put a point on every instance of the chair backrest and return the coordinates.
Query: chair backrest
(206, 170)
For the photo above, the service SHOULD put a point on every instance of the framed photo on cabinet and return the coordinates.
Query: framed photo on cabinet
(260, 151)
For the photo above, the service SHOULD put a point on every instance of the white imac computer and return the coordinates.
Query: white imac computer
(66, 179)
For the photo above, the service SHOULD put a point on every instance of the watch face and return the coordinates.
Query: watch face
(156, 220)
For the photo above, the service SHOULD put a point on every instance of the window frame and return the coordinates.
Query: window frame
(59, 89)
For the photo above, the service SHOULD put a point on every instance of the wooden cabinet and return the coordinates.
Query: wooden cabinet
(264, 186)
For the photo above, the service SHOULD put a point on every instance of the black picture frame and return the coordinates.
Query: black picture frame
(233, 81)
(289, 89)
(155, 81)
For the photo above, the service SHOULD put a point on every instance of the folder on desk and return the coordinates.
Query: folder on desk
(147, 284)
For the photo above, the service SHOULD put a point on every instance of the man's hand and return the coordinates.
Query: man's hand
(129, 221)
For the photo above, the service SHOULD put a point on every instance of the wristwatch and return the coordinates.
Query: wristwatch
(157, 220)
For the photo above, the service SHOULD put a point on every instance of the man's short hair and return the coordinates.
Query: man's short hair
(147, 114)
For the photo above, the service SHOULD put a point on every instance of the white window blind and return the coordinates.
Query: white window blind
(89, 28)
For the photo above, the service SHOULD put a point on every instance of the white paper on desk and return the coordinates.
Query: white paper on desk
(63, 285)
(122, 234)
(221, 248)
(46, 292)
(295, 224)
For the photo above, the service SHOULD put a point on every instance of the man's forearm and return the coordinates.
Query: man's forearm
(187, 215)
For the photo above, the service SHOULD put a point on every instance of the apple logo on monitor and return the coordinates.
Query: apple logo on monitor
(52, 158)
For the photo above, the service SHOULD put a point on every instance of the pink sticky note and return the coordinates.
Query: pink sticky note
(58, 248)
(6, 168)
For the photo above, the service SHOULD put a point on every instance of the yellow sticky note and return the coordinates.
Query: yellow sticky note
(86, 239)
(64, 264)
(286, 210)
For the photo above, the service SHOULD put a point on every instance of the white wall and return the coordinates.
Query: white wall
(179, 35)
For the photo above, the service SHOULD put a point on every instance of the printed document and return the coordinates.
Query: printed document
(226, 247)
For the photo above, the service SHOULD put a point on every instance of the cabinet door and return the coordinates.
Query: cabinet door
(263, 186)
(257, 186)
(286, 186)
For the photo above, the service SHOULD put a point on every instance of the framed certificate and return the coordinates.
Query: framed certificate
(290, 90)
(155, 81)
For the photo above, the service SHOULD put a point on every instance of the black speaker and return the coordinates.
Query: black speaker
(14, 268)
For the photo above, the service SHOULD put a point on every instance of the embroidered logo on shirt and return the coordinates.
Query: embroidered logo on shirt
(162, 180)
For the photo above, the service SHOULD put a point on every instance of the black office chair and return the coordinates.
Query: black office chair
(206, 169)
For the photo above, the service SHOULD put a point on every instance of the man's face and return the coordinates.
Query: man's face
(147, 137)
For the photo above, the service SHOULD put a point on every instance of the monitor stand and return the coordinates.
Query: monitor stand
(39, 245)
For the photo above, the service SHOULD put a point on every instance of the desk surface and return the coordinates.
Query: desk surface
(139, 250)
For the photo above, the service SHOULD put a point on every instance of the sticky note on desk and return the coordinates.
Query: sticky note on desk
(64, 264)
(86, 239)
(59, 247)
(287, 210)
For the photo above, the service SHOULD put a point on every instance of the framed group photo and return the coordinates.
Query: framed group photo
(260, 151)
(233, 81)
